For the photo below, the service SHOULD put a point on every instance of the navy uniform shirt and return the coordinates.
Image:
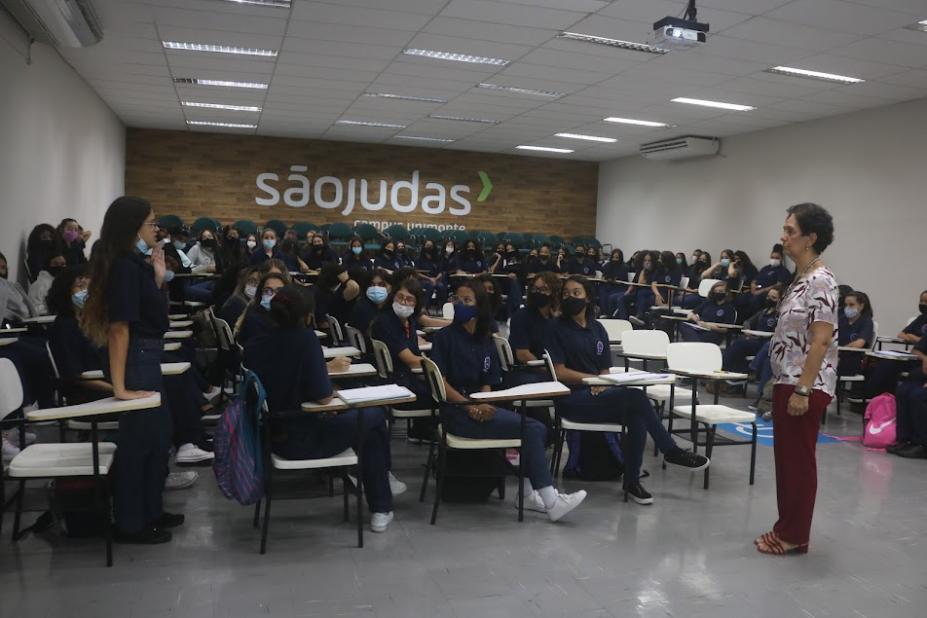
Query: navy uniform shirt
(468, 362)
(132, 296)
(537, 265)
(391, 263)
(232, 309)
(388, 328)
(723, 313)
(771, 275)
(256, 323)
(668, 276)
(615, 271)
(404, 260)
(918, 326)
(578, 348)
(316, 257)
(259, 257)
(528, 331)
(862, 329)
(350, 261)
(469, 263)
(362, 314)
(763, 320)
(431, 266)
(72, 350)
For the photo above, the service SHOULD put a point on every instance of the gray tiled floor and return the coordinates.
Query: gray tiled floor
(690, 554)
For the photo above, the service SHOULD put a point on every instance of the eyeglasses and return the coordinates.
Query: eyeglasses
(153, 224)
(405, 299)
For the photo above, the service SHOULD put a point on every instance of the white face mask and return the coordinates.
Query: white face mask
(250, 290)
(251, 244)
(774, 262)
(402, 311)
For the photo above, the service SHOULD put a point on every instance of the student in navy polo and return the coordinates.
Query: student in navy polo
(289, 362)
(638, 298)
(772, 276)
(466, 356)
(915, 331)
(356, 256)
(615, 273)
(387, 258)
(376, 291)
(254, 319)
(854, 330)
(432, 272)
(669, 274)
(335, 294)
(580, 264)
(735, 356)
(579, 348)
(716, 308)
(127, 312)
(402, 255)
(470, 259)
(318, 253)
(528, 327)
(269, 250)
(544, 262)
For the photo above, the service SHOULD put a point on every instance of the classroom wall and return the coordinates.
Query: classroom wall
(227, 177)
(63, 149)
(867, 168)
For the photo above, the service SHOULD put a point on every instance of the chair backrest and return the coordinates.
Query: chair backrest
(616, 328)
(504, 350)
(704, 287)
(11, 389)
(435, 380)
(355, 338)
(548, 361)
(224, 337)
(684, 282)
(447, 311)
(875, 335)
(51, 360)
(382, 358)
(693, 356)
(646, 342)
(334, 329)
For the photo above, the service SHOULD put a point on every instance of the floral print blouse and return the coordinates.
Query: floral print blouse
(813, 298)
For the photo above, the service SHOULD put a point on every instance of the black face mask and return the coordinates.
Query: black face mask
(471, 252)
(209, 243)
(54, 271)
(387, 254)
(772, 303)
(428, 250)
(538, 300)
(543, 258)
(923, 308)
(318, 249)
(573, 306)
(716, 297)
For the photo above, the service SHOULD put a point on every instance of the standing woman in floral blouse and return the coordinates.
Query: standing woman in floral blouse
(803, 354)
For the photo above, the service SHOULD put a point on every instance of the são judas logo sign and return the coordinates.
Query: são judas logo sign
(403, 196)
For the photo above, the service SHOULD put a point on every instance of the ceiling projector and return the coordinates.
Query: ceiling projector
(678, 32)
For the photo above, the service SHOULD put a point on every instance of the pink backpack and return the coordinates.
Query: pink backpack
(879, 428)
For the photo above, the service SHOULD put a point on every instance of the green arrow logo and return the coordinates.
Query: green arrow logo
(487, 187)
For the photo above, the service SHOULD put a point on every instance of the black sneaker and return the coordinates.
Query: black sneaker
(149, 536)
(914, 451)
(639, 494)
(897, 447)
(687, 459)
(169, 520)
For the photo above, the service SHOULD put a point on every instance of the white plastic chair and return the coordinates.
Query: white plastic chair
(705, 285)
(384, 364)
(508, 363)
(616, 329)
(843, 381)
(355, 338)
(447, 311)
(334, 330)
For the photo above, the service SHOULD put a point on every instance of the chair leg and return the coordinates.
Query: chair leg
(344, 494)
(429, 465)
(521, 486)
(439, 483)
(107, 523)
(753, 455)
(257, 514)
(709, 444)
(500, 489)
(266, 523)
(19, 509)
(360, 510)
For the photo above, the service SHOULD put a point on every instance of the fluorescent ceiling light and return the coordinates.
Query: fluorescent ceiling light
(588, 138)
(639, 123)
(227, 125)
(231, 108)
(219, 49)
(445, 55)
(218, 82)
(601, 40)
(544, 149)
(515, 90)
(717, 104)
(422, 138)
(921, 25)
(463, 119)
(368, 123)
(404, 97)
(827, 77)
(279, 4)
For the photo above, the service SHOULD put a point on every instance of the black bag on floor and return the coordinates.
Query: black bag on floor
(472, 475)
(73, 506)
(594, 456)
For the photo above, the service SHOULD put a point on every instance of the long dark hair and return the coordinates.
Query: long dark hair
(413, 287)
(590, 295)
(483, 307)
(291, 307)
(58, 300)
(123, 219)
(861, 297)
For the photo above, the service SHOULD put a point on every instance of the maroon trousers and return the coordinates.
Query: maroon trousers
(795, 440)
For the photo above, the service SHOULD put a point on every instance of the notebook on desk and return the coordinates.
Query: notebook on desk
(385, 392)
(639, 378)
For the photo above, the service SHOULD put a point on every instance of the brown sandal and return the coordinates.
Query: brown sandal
(774, 547)
(766, 537)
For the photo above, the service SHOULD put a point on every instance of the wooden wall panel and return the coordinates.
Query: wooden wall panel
(215, 175)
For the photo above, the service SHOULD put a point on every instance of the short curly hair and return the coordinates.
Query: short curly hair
(814, 219)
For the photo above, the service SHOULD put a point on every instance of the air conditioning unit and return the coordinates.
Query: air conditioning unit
(65, 23)
(684, 147)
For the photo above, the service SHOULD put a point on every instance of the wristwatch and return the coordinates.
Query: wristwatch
(802, 391)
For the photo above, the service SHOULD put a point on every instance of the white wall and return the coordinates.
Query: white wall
(867, 168)
(62, 150)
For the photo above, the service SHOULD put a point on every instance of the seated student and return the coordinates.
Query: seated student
(669, 274)
(470, 260)
(288, 359)
(204, 259)
(579, 264)
(466, 356)
(335, 293)
(376, 292)
(248, 281)
(386, 259)
(356, 256)
(579, 348)
(424, 320)
(700, 263)
(745, 269)
(911, 410)
(681, 262)
(38, 289)
(496, 308)
(432, 273)
(511, 264)
(884, 375)
(450, 252)
(74, 354)
(594, 254)
(528, 329)
(764, 320)
(722, 268)
(289, 249)
(270, 251)
(254, 320)
(543, 262)
(638, 298)
(615, 273)
(716, 308)
(915, 331)
(403, 256)
(43, 244)
(251, 245)
(772, 276)
(855, 330)
(75, 241)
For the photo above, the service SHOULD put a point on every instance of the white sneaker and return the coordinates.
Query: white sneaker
(190, 455)
(396, 486)
(379, 522)
(13, 437)
(181, 480)
(533, 502)
(212, 393)
(10, 450)
(565, 503)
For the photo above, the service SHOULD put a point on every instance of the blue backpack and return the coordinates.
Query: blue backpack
(594, 456)
(239, 462)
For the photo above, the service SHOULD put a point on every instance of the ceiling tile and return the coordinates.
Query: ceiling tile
(512, 13)
(488, 31)
(358, 15)
(841, 16)
(885, 51)
(789, 34)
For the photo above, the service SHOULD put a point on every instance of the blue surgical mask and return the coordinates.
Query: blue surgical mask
(265, 301)
(356, 250)
(269, 243)
(168, 276)
(725, 262)
(179, 245)
(79, 298)
(142, 247)
(376, 293)
(464, 313)
(850, 312)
